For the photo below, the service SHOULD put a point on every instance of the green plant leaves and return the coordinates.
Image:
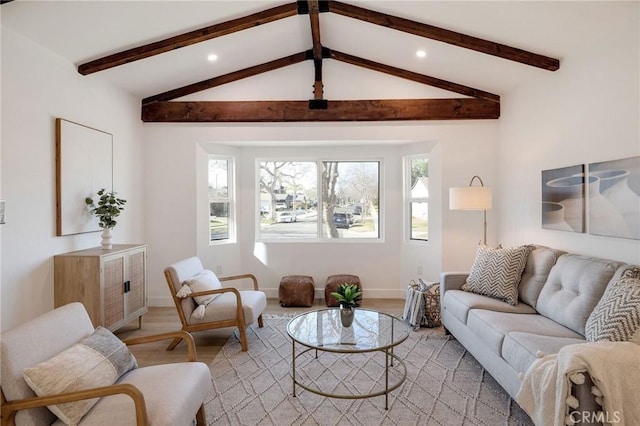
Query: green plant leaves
(109, 206)
(347, 294)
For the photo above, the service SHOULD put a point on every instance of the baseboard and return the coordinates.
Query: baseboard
(272, 293)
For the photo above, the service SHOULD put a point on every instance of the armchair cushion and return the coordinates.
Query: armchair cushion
(224, 307)
(172, 392)
(98, 360)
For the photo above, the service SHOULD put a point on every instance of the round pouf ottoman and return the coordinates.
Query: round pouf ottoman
(332, 285)
(296, 290)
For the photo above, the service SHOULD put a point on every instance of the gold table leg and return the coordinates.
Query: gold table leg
(293, 365)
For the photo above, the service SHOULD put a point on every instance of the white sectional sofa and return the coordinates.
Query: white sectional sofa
(556, 294)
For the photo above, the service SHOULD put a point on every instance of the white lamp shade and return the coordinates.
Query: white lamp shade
(470, 198)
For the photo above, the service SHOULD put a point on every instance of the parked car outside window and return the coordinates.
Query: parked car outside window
(341, 220)
(286, 217)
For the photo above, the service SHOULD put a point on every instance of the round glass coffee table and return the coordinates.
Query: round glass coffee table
(371, 331)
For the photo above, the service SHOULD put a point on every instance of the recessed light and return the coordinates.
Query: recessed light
(213, 57)
(421, 53)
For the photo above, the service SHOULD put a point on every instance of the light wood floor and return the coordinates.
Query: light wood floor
(160, 320)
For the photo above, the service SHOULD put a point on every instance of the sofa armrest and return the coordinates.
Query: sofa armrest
(452, 280)
(586, 413)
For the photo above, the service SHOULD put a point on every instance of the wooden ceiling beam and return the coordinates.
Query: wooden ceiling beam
(409, 75)
(445, 36)
(187, 39)
(350, 110)
(314, 19)
(227, 78)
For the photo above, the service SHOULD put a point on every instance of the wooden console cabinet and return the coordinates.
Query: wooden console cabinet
(111, 284)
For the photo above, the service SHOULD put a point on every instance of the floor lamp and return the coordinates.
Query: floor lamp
(471, 198)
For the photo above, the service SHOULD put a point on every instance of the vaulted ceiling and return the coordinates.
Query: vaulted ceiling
(354, 60)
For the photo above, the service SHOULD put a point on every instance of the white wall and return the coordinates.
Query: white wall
(586, 112)
(177, 224)
(37, 87)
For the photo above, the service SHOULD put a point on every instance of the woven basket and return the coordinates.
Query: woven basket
(422, 308)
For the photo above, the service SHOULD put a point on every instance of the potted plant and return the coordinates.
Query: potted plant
(107, 208)
(348, 295)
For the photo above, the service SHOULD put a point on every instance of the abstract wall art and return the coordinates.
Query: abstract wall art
(614, 202)
(563, 199)
(84, 164)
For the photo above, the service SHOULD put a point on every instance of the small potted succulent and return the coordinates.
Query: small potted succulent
(347, 295)
(107, 208)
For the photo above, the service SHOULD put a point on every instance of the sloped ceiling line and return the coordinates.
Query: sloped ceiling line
(485, 105)
(445, 36)
(187, 39)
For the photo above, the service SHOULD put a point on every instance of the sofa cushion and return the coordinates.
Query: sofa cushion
(459, 303)
(98, 360)
(539, 263)
(616, 317)
(521, 349)
(574, 287)
(491, 327)
(497, 272)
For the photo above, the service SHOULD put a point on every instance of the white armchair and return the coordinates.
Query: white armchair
(168, 394)
(207, 305)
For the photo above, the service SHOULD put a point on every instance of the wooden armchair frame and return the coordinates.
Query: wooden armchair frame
(10, 408)
(238, 321)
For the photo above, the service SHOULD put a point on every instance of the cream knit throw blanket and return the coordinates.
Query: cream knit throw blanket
(614, 368)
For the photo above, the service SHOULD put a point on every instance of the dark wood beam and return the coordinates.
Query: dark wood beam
(445, 36)
(314, 19)
(227, 78)
(409, 75)
(356, 110)
(187, 39)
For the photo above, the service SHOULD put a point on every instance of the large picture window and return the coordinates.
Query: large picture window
(221, 207)
(417, 168)
(319, 199)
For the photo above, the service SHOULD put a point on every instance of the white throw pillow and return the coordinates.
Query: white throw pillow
(496, 272)
(98, 360)
(204, 281)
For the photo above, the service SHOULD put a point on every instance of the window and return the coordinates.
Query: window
(319, 199)
(221, 205)
(418, 196)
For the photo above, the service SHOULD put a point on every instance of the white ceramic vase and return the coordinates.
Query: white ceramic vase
(106, 238)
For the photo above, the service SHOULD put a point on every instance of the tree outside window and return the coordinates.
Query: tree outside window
(418, 168)
(345, 207)
(220, 198)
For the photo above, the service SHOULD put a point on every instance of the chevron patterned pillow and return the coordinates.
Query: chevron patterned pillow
(616, 317)
(496, 272)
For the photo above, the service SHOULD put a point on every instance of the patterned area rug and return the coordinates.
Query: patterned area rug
(445, 385)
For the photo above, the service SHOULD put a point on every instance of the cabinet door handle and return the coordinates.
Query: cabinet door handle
(127, 286)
